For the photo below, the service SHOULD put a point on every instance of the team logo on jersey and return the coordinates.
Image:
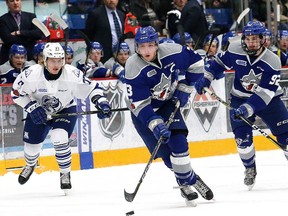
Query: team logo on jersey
(113, 126)
(51, 104)
(241, 62)
(27, 72)
(162, 90)
(251, 80)
(205, 107)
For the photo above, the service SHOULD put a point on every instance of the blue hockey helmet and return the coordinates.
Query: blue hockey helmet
(253, 28)
(145, 35)
(225, 39)
(268, 33)
(187, 36)
(96, 46)
(68, 50)
(123, 48)
(38, 49)
(208, 38)
(17, 49)
(282, 34)
(166, 40)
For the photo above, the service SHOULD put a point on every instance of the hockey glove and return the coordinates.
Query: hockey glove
(102, 104)
(201, 83)
(182, 93)
(37, 112)
(159, 128)
(119, 71)
(241, 111)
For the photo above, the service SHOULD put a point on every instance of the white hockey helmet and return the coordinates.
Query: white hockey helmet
(53, 50)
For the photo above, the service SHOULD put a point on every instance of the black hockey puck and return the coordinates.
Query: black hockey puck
(130, 213)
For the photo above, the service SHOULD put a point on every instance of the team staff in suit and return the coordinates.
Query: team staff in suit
(100, 26)
(188, 16)
(16, 27)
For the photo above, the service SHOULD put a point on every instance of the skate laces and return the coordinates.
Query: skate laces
(250, 172)
(65, 178)
(26, 171)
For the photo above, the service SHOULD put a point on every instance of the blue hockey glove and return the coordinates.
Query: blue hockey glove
(116, 70)
(102, 104)
(241, 111)
(162, 130)
(182, 93)
(37, 112)
(159, 128)
(201, 83)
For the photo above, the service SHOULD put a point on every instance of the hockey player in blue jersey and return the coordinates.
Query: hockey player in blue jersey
(153, 86)
(43, 90)
(15, 65)
(255, 91)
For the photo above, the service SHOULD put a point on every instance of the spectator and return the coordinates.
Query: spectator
(148, 14)
(100, 26)
(192, 20)
(15, 65)
(16, 27)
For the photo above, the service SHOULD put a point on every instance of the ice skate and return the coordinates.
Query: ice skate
(65, 182)
(189, 195)
(203, 189)
(25, 174)
(250, 175)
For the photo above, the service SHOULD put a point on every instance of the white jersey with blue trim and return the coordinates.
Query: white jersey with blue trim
(53, 95)
(150, 84)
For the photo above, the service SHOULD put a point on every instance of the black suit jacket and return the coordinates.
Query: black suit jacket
(98, 29)
(194, 21)
(29, 34)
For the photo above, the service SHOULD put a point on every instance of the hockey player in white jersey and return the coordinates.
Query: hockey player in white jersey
(47, 89)
(153, 86)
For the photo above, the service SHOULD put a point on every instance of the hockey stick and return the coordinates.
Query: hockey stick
(130, 196)
(64, 26)
(88, 44)
(83, 113)
(214, 31)
(41, 26)
(240, 18)
(247, 121)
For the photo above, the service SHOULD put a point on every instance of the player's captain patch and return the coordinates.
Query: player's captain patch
(205, 107)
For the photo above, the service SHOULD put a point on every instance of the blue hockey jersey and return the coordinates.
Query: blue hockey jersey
(150, 84)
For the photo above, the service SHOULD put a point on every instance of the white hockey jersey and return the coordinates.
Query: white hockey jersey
(53, 95)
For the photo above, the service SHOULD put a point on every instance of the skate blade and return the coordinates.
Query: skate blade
(190, 203)
(250, 187)
(67, 192)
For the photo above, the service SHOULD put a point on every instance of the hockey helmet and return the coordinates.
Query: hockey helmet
(96, 46)
(123, 48)
(38, 48)
(166, 40)
(225, 39)
(17, 49)
(53, 50)
(187, 36)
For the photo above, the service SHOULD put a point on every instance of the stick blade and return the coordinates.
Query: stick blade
(41, 26)
(241, 16)
(59, 20)
(129, 196)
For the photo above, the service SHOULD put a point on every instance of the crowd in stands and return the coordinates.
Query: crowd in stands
(177, 21)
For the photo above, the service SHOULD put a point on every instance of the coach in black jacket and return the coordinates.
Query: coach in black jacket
(99, 23)
(21, 31)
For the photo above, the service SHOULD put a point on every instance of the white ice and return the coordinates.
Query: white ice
(100, 191)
